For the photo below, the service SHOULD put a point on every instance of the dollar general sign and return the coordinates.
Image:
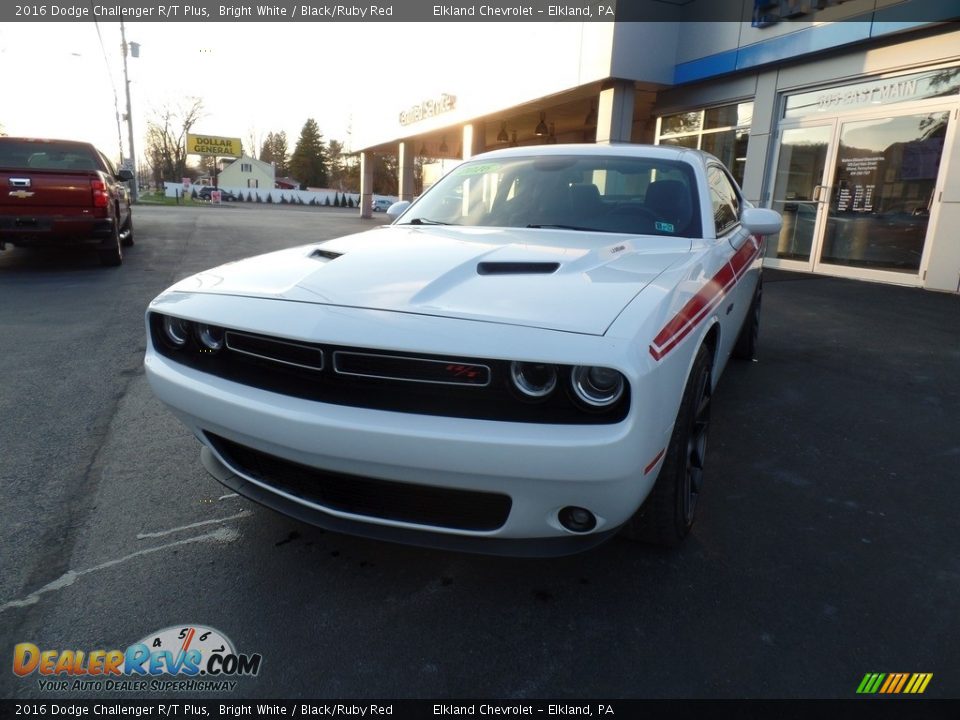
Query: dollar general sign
(210, 145)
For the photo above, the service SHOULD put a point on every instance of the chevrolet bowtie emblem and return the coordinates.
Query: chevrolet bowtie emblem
(20, 194)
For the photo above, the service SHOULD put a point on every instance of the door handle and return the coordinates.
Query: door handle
(818, 190)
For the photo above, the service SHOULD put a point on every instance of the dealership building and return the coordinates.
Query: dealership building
(840, 115)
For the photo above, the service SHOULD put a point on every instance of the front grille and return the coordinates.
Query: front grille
(288, 353)
(392, 367)
(464, 387)
(369, 497)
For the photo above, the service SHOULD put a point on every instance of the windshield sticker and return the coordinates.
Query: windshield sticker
(663, 227)
(476, 169)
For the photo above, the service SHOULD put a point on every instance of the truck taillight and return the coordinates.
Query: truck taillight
(100, 196)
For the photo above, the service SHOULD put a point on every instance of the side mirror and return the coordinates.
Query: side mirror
(125, 175)
(761, 221)
(397, 209)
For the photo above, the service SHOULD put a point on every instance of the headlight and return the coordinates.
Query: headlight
(533, 380)
(176, 330)
(597, 387)
(210, 336)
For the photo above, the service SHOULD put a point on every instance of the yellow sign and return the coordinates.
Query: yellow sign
(210, 145)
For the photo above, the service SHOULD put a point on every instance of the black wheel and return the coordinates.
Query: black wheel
(113, 255)
(126, 235)
(749, 339)
(667, 515)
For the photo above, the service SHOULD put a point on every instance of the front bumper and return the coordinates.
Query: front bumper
(541, 468)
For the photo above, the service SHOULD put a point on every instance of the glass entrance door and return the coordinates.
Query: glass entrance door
(799, 194)
(882, 188)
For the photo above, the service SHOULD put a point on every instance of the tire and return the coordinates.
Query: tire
(127, 234)
(668, 513)
(113, 255)
(749, 338)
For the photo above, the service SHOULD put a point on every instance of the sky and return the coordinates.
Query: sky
(63, 79)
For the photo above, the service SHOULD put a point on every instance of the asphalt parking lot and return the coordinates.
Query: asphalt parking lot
(826, 546)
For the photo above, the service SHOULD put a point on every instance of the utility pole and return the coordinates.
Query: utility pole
(134, 190)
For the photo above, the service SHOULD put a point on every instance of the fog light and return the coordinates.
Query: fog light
(577, 519)
(176, 330)
(598, 387)
(211, 337)
(534, 380)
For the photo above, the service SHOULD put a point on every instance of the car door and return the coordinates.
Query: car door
(743, 251)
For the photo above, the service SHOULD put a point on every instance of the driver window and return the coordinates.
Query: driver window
(725, 201)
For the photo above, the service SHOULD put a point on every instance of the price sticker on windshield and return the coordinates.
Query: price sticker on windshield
(477, 169)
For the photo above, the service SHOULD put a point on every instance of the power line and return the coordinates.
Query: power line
(116, 102)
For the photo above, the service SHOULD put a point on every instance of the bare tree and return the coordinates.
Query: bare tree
(252, 142)
(167, 139)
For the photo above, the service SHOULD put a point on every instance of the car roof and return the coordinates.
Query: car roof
(47, 141)
(663, 152)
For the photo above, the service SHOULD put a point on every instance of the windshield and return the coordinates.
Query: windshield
(593, 193)
(46, 156)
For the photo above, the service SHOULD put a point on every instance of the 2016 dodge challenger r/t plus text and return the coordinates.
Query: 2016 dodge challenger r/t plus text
(522, 362)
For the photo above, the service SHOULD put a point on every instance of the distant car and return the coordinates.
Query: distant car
(525, 371)
(63, 192)
(382, 204)
(205, 193)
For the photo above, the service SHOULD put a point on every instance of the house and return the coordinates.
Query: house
(247, 172)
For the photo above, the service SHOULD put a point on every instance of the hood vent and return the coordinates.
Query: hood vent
(517, 268)
(326, 254)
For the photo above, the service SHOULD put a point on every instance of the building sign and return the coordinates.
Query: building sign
(428, 108)
(919, 86)
(769, 12)
(210, 145)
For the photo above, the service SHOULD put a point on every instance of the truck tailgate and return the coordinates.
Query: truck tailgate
(29, 190)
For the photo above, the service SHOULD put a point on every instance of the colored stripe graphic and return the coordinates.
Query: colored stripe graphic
(653, 462)
(700, 305)
(894, 683)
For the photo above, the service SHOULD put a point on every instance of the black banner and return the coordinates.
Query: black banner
(759, 13)
(866, 709)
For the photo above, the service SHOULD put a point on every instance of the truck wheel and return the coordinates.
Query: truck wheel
(126, 235)
(667, 515)
(113, 255)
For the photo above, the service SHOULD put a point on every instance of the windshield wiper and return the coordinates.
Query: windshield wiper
(566, 227)
(425, 221)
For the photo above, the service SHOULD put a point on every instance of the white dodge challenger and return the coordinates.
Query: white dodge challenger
(521, 363)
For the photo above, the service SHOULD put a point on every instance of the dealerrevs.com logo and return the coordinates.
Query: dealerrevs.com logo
(200, 658)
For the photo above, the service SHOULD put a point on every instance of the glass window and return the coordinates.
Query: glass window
(681, 123)
(721, 131)
(48, 155)
(725, 201)
(885, 180)
(636, 195)
(740, 115)
(689, 141)
(888, 91)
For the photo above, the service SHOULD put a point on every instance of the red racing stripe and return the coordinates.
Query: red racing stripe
(653, 463)
(700, 305)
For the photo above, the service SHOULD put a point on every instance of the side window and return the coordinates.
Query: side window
(725, 200)
(107, 165)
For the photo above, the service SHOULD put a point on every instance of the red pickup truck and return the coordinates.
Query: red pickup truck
(61, 192)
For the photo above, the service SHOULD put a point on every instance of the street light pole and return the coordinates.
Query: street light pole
(126, 81)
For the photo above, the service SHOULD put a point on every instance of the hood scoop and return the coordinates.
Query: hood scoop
(517, 268)
(325, 254)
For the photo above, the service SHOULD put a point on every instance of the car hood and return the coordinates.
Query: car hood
(552, 279)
